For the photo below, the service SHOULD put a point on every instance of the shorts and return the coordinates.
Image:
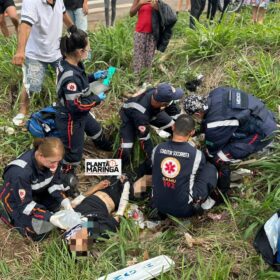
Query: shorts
(4, 4)
(260, 3)
(79, 18)
(34, 73)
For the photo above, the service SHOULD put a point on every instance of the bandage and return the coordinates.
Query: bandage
(75, 202)
(124, 199)
(66, 204)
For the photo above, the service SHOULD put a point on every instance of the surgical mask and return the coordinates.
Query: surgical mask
(89, 56)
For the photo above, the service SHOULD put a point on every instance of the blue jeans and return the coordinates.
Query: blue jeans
(79, 18)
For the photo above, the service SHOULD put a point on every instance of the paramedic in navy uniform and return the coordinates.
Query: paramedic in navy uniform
(32, 188)
(236, 124)
(76, 99)
(182, 180)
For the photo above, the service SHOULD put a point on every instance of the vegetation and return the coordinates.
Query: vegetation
(234, 53)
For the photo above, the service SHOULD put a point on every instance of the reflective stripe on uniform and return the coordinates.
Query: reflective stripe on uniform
(134, 105)
(94, 137)
(126, 145)
(42, 184)
(197, 160)
(56, 188)
(18, 162)
(223, 123)
(73, 96)
(153, 154)
(29, 207)
(87, 92)
(168, 125)
(145, 138)
(64, 76)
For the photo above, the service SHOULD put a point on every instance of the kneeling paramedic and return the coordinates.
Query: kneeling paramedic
(76, 100)
(153, 107)
(236, 124)
(33, 190)
(182, 179)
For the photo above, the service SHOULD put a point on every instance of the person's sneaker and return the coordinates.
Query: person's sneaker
(19, 119)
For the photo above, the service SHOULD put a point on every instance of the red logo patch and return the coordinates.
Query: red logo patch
(21, 193)
(72, 87)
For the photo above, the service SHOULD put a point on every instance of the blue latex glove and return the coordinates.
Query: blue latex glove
(102, 96)
(100, 74)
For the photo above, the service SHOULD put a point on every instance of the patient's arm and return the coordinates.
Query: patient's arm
(100, 186)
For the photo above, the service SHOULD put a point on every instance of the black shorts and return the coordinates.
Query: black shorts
(4, 4)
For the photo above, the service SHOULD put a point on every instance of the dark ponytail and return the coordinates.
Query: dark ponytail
(73, 40)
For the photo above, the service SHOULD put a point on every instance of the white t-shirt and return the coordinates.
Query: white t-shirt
(47, 24)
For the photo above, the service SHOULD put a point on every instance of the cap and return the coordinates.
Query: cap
(166, 93)
(98, 87)
(194, 103)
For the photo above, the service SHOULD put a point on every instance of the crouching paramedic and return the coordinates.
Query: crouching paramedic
(76, 99)
(32, 189)
(182, 179)
(153, 107)
(236, 124)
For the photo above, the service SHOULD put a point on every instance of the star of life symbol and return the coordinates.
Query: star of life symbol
(170, 167)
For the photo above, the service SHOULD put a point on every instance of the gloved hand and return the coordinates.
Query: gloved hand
(102, 96)
(65, 219)
(55, 220)
(66, 204)
(100, 74)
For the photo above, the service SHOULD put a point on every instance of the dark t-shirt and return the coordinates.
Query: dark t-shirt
(73, 4)
(95, 209)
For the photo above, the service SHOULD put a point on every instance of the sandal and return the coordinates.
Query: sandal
(18, 120)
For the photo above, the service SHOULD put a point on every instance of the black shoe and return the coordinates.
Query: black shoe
(103, 143)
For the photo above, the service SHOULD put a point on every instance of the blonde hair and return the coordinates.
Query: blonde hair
(49, 146)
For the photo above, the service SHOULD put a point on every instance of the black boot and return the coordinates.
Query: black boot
(102, 143)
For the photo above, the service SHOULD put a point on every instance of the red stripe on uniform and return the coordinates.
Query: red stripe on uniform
(69, 131)
(39, 216)
(254, 139)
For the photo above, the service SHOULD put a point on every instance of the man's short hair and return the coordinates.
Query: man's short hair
(184, 125)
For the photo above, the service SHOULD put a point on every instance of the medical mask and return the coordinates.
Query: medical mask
(89, 56)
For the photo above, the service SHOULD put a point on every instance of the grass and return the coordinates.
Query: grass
(233, 53)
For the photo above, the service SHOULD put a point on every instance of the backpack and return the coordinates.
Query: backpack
(42, 123)
(267, 241)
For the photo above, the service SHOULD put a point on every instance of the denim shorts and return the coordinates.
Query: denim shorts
(34, 72)
(79, 18)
